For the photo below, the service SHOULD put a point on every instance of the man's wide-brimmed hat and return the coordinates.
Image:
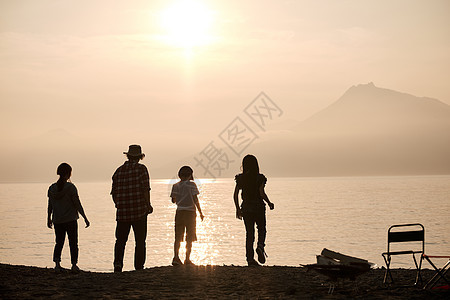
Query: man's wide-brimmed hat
(134, 150)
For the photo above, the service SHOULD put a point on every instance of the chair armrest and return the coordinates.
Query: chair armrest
(400, 252)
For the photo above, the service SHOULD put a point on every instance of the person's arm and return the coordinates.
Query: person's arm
(79, 207)
(113, 188)
(145, 186)
(147, 200)
(81, 211)
(236, 202)
(173, 194)
(49, 214)
(197, 204)
(265, 197)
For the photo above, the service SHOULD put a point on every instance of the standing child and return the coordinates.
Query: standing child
(184, 194)
(253, 209)
(63, 208)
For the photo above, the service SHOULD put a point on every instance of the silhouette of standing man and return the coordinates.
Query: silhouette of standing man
(131, 195)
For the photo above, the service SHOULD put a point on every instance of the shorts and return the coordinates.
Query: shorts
(185, 220)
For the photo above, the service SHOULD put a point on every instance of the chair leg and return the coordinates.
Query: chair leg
(418, 267)
(388, 274)
(331, 289)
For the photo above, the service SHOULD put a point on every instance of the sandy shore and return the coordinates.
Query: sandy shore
(203, 282)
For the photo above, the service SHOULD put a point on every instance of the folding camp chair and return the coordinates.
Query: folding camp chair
(400, 234)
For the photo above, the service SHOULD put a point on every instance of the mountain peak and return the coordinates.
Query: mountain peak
(365, 86)
(364, 89)
(369, 94)
(365, 107)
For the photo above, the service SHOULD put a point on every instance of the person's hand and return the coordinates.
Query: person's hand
(238, 213)
(271, 205)
(49, 223)
(87, 223)
(202, 216)
(150, 209)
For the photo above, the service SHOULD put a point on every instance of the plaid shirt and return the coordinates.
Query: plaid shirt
(130, 182)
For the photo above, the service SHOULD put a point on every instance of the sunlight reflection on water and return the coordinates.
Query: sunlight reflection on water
(349, 215)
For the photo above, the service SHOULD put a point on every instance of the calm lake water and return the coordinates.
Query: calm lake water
(348, 215)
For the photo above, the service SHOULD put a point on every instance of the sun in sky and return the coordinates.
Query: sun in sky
(187, 23)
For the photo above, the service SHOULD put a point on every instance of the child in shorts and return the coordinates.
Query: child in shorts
(184, 194)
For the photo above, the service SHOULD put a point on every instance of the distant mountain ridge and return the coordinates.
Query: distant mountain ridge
(366, 108)
(367, 131)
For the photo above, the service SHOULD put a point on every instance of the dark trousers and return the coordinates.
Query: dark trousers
(250, 219)
(140, 234)
(71, 228)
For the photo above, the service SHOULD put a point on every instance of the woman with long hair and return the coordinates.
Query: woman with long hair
(63, 208)
(253, 208)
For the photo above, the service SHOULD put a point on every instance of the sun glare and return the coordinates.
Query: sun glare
(187, 24)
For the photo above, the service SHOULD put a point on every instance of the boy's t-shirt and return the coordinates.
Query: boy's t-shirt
(184, 192)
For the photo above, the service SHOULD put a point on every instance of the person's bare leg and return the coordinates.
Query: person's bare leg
(176, 249)
(188, 251)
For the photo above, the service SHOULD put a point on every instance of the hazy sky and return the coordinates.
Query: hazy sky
(172, 74)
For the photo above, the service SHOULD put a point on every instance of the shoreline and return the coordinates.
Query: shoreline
(231, 177)
(206, 282)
